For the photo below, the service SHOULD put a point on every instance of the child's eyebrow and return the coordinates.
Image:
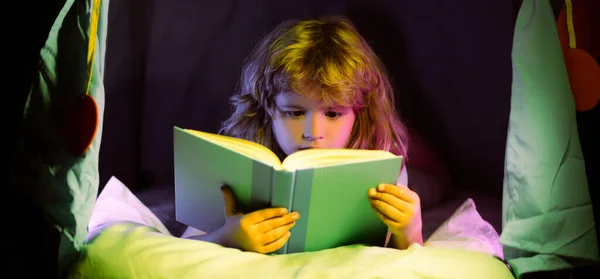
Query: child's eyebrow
(338, 107)
(290, 106)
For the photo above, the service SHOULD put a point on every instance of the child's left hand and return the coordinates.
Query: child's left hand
(400, 209)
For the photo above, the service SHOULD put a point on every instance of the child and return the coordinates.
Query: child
(317, 84)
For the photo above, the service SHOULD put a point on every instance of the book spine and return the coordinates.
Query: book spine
(262, 179)
(282, 189)
(301, 203)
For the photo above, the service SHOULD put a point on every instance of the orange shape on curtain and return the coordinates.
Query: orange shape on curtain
(79, 124)
(579, 35)
(79, 116)
(584, 77)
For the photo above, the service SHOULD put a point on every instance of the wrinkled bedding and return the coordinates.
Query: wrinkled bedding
(127, 240)
(130, 250)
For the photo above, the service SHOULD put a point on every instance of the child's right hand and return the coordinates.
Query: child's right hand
(262, 231)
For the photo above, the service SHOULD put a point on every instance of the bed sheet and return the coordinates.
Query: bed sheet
(130, 250)
(127, 240)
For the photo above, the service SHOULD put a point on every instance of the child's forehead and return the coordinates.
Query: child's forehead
(296, 99)
(293, 98)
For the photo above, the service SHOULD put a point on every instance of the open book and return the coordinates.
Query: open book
(328, 187)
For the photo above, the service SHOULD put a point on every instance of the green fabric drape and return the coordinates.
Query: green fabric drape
(64, 186)
(547, 211)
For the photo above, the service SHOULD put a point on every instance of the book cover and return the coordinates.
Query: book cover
(328, 187)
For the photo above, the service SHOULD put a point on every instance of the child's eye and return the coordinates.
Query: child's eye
(294, 113)
(333, 114)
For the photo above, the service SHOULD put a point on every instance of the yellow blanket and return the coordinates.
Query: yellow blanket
(130, 250)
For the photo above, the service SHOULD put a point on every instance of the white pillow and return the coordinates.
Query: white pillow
(467, 230)
(115, 204)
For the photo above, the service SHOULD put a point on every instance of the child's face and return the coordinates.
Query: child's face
(300, 123)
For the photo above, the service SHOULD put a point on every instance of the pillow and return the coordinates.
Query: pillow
(467, 230)
(116, 204)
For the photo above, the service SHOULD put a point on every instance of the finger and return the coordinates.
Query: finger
(387, 220)
(229, 200)
(402, 193)
(275, 234)
(394, 201)
(275, 245)
(401, 186)
(264, 214)
(389, 211)
(273, 223)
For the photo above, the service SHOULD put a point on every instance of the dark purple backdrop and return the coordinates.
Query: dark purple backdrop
(177, 62)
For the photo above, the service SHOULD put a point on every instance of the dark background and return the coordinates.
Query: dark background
(177, 62)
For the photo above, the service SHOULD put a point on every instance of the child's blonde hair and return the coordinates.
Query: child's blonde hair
(325, 60)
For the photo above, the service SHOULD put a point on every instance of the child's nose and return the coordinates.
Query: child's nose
(314, 127)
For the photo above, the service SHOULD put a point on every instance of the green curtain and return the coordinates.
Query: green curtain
(62, 185)
(548, 221)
